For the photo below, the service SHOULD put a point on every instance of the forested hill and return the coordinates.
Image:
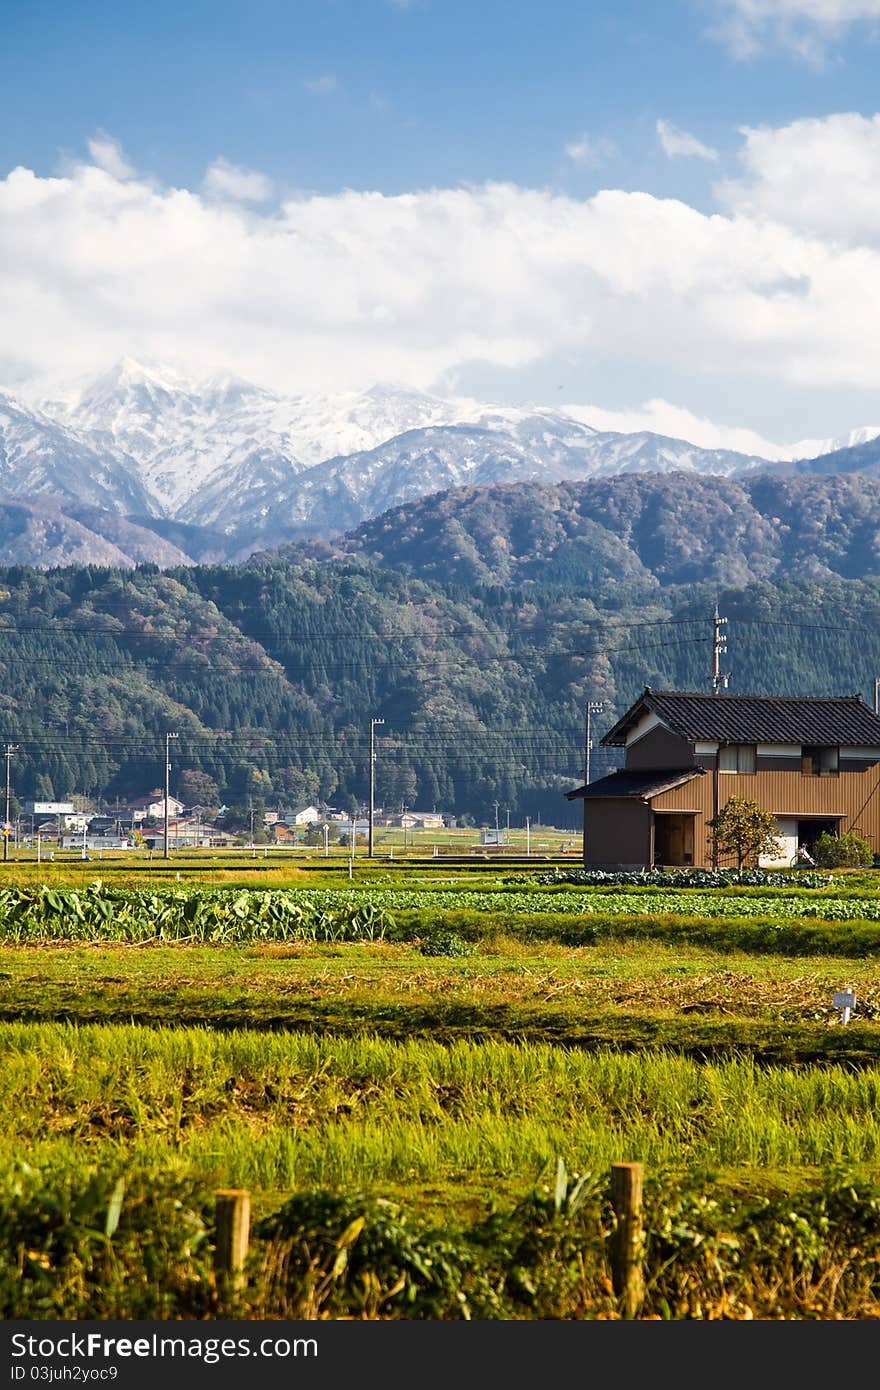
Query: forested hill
(636, 531)
(270, 673)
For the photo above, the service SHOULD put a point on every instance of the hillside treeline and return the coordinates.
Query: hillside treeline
(630, 535)
(271, 672)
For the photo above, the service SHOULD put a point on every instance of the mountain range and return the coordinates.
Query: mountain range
(141, 465)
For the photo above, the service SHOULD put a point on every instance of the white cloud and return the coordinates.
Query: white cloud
(820, 176)
(225, 180)
(321, 86)
(589, 149)
(803, 26)
(678, 144)
(338, 292)
(107, 154)
(661, 417)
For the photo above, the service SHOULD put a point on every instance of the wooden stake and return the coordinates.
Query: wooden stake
(627, 1241)
(233, 1222)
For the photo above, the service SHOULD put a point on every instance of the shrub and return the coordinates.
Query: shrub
(83, 1244)
(446, 943)
(841, 851)
(349, 1254)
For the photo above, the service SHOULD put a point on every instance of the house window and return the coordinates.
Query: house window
(737, 757)
(818, 760)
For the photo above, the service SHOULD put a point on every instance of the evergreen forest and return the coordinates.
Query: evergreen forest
(270, 672)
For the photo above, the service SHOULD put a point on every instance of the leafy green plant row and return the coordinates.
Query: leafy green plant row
(96, 913)
(685, 903)
(751, 934)
(791, 925)
(78, 1245)
(682, 878)
(363, 913)
(628, 902)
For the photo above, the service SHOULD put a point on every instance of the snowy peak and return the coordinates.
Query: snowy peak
(39, 457)
(142, 439)
(816, 448)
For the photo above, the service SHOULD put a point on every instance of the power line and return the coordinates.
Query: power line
(317, 666)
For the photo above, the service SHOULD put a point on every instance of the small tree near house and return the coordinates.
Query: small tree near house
(743, 829)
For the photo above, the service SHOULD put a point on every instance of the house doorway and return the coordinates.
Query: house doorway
(673, 839)
(809, 830)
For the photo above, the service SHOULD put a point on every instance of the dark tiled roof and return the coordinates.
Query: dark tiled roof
(641, 783)
(755, 718)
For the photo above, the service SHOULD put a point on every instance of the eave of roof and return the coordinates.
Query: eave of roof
(642, 784)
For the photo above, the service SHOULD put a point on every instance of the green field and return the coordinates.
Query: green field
(439, 1042)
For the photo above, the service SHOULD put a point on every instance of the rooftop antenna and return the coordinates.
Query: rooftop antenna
(719, 649)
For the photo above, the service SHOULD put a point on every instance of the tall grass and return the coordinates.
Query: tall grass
(276, 1111)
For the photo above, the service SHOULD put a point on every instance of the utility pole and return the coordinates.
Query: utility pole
(593, 707)
(10, 749)
(495, 804)
(168, 738)
(507, 832)
(373, 724)
(719, 649)
(528, 837)
(877, 694)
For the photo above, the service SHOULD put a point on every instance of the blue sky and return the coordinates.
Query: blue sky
(310, 98)
(369, 94)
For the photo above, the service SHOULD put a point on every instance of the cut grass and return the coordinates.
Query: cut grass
(626, 994)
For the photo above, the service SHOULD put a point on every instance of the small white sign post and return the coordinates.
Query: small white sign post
(845, 1001)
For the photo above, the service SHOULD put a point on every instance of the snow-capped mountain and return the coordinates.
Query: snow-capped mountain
(186, 436)
(39, 457)
(816, 448)
(258, 467)
(513, 447)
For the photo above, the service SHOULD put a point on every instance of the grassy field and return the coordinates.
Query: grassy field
(447, 1065)
(276, 1112)
(628, 995)
(390, 846)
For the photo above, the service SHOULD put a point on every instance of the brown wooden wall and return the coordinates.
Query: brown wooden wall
(660, 748)
(855, 796)
(617, 833)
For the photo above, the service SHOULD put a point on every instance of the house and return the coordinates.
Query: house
(303, 815)
(813, 762)
(412, 820)
(96, 841)
(47, 808)
(152, 807)
(183, 832)
(103, 825)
